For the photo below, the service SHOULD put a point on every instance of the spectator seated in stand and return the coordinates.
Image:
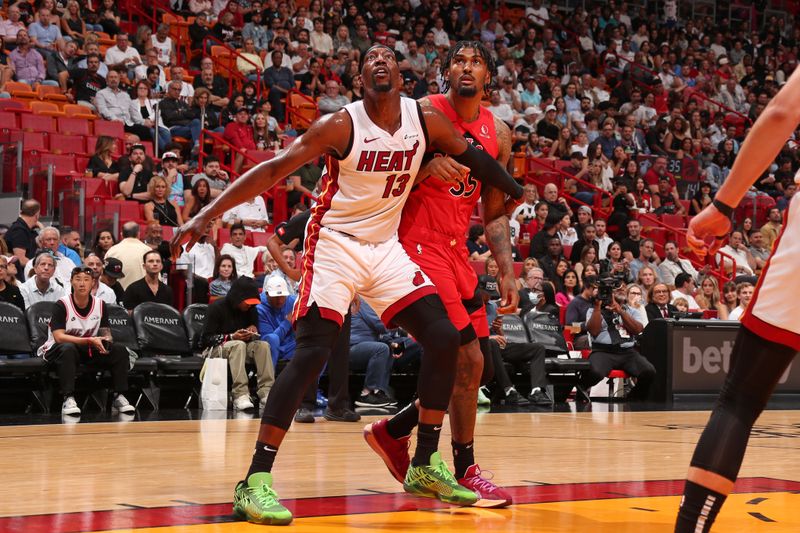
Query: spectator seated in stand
(150, 288)
(9, 292)
(79, 333)
(244, 255)
(224, 276)
(333, 100)
(252, 214)
(744, 293)
(49, 240)
(112, 273)
(274, 325)
(100, 290)
(239, 133)
(134, 176)
(231, 332)
(161, 208)
(217, 178)
(736, 249)
(684, 288)
(371, 352)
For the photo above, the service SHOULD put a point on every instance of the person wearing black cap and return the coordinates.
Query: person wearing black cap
(112, 272)
(133, 179)
(231, 332)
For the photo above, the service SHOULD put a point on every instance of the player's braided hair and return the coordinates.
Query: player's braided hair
(491, 67)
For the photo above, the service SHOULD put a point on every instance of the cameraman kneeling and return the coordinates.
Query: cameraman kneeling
(612, 325)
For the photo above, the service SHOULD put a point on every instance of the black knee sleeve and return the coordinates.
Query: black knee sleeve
(426, 319)
(315, 339)
(488, 364)
(755, 368)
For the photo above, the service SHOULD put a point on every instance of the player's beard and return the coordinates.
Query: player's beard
(381, 87)
(467, 92)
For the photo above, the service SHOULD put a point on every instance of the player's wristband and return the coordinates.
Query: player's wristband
(725, 209)
(488, 171)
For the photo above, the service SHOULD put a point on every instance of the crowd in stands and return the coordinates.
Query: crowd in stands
(628, 112)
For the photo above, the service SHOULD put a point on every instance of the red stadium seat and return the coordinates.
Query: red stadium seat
(112, 128)
(32, 140)
(67, 144)
(31, 122)
(74, 126)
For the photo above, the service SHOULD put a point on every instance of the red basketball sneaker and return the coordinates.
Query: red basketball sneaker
(489, 494)
(394, 452)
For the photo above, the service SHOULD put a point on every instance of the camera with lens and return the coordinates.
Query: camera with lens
(606, 287)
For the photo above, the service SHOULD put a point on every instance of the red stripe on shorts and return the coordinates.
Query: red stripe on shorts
(330, 186)
(758, 326)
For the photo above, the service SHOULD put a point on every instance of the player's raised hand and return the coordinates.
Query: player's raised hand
(708, 232)
(509, 296)
(188, 234)
(445, 168)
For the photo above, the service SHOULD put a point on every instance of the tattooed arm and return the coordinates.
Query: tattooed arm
(495, 218)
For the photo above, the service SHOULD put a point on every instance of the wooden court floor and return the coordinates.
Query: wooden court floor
(596, 472)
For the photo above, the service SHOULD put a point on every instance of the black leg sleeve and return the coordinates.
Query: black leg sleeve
(426, 320)
(315, 339)
(339, 369)
(756, 366)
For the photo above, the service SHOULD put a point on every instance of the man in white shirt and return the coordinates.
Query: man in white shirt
(252, 214)
(243, 255)
(49, 239)
(745, 262)
(202, 257)
(130, 251)
(537, 13)
(123, 57)
(744, 292)
(501, 110)
(151, 59)
(684, 287)
(100, 290)
(42, 286)
(526, 211)
(602, 238)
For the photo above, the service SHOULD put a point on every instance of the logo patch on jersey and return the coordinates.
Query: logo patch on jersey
(485, 130)
(367, 141)
(418, 279)
(386, 160)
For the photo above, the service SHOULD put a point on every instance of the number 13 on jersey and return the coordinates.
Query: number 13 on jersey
(396, 185)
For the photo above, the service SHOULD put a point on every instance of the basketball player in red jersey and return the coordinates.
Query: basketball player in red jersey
(435, 220)
(769, 337)
(374, 149)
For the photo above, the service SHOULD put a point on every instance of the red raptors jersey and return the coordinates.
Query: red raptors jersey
(443, 207)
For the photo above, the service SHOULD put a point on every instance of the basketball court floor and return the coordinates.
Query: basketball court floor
(595, 472)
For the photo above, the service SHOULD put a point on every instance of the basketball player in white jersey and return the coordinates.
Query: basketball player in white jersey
(769, 337)
(374, 149)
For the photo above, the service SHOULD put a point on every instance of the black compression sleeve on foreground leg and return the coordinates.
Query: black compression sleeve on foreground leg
(488, 363)
(487, 170)
(315, 339)
(756, 366)
(426, 320)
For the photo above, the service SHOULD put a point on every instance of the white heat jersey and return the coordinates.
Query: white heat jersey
(364, 193)
(77, 324)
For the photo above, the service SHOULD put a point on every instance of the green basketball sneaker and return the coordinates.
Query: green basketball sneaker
(436, 481)
(256, 501)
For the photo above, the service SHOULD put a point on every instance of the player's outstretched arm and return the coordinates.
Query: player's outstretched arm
(498, 232)
(765, 140)
(328, 135)
(445, 138)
